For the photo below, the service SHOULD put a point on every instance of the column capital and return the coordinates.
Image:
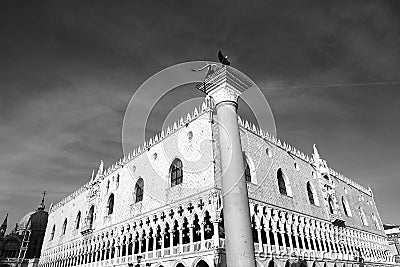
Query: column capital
(225, 85)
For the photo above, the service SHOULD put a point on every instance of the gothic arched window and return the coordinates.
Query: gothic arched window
(117, 182)
(64, 227)
(52, 232)
(346, 207)
(78, 220)
(176, 172)
(139, 190)
(247, 173)
(91, 216)
(330, 204)
(376, 222)
(362, 216)
(108, 186)
(110, 204)
(281, 182)
(310, 193)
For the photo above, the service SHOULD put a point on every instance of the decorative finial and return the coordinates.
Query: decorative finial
(100, 171)
(41, 205)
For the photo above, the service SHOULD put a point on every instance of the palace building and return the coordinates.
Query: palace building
(161, 205)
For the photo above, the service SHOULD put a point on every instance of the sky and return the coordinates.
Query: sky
(69, 68)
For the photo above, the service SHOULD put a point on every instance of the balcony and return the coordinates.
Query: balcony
(86, 229)
(337, 220)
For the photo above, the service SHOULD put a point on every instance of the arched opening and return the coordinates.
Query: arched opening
(53, 230)
(180, 265)
(185, 231)
(78, 220)
(196, 229)
(249, 169)
(117, 182)
(110, 204)
(362, 216)
(247, 173)
(254, 230)
(108, 186)
(64, 227)
(283, 183)
(166, 234)
(176, 172)
(346, 207)
(158, 238)
(330, 204)
(151, 239)
(310, 193)
(91, 216)
(272, 264)
(175, 234)
(208, 227)
(221, 226)
(139, 190)
(288, 264)
(202, 263)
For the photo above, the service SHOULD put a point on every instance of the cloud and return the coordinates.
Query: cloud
(68, 70)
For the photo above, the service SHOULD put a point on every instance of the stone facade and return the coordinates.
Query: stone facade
(393, 236)
(182, 225)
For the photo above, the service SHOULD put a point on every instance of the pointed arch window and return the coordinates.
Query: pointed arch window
(362, 216)
(108, 186)
(139, 190)
(64, 227)
(176, 172)
(78, 220)
(310, 193)
(376, 222)
(117, 182)
(110, 204)
(346, 207)
(330, 204)
(52, 232)
(90, 217)
(283, 183)
(247, 173)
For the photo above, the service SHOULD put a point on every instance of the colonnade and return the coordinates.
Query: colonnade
(198, 226)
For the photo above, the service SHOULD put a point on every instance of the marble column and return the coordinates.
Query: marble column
(225, 86)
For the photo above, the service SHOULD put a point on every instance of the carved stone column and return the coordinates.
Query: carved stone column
(224, 87)
(191, 237)
(154, 243)
(180, 239)
(171, 241)
(202, 235)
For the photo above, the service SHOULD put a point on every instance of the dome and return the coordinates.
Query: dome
(34, 220)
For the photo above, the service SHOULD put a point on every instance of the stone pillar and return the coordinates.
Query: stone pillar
(202, 235)
(162, 242)
(191, 242)
(216, 233)
(140, 245)
(260, 243)
(147, 246)
(180, 239)
(133, 245)
(154, 244)
(225, 86)
(266, 229)
(171, 241)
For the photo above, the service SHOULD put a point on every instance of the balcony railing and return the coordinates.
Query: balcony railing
(86, 229)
